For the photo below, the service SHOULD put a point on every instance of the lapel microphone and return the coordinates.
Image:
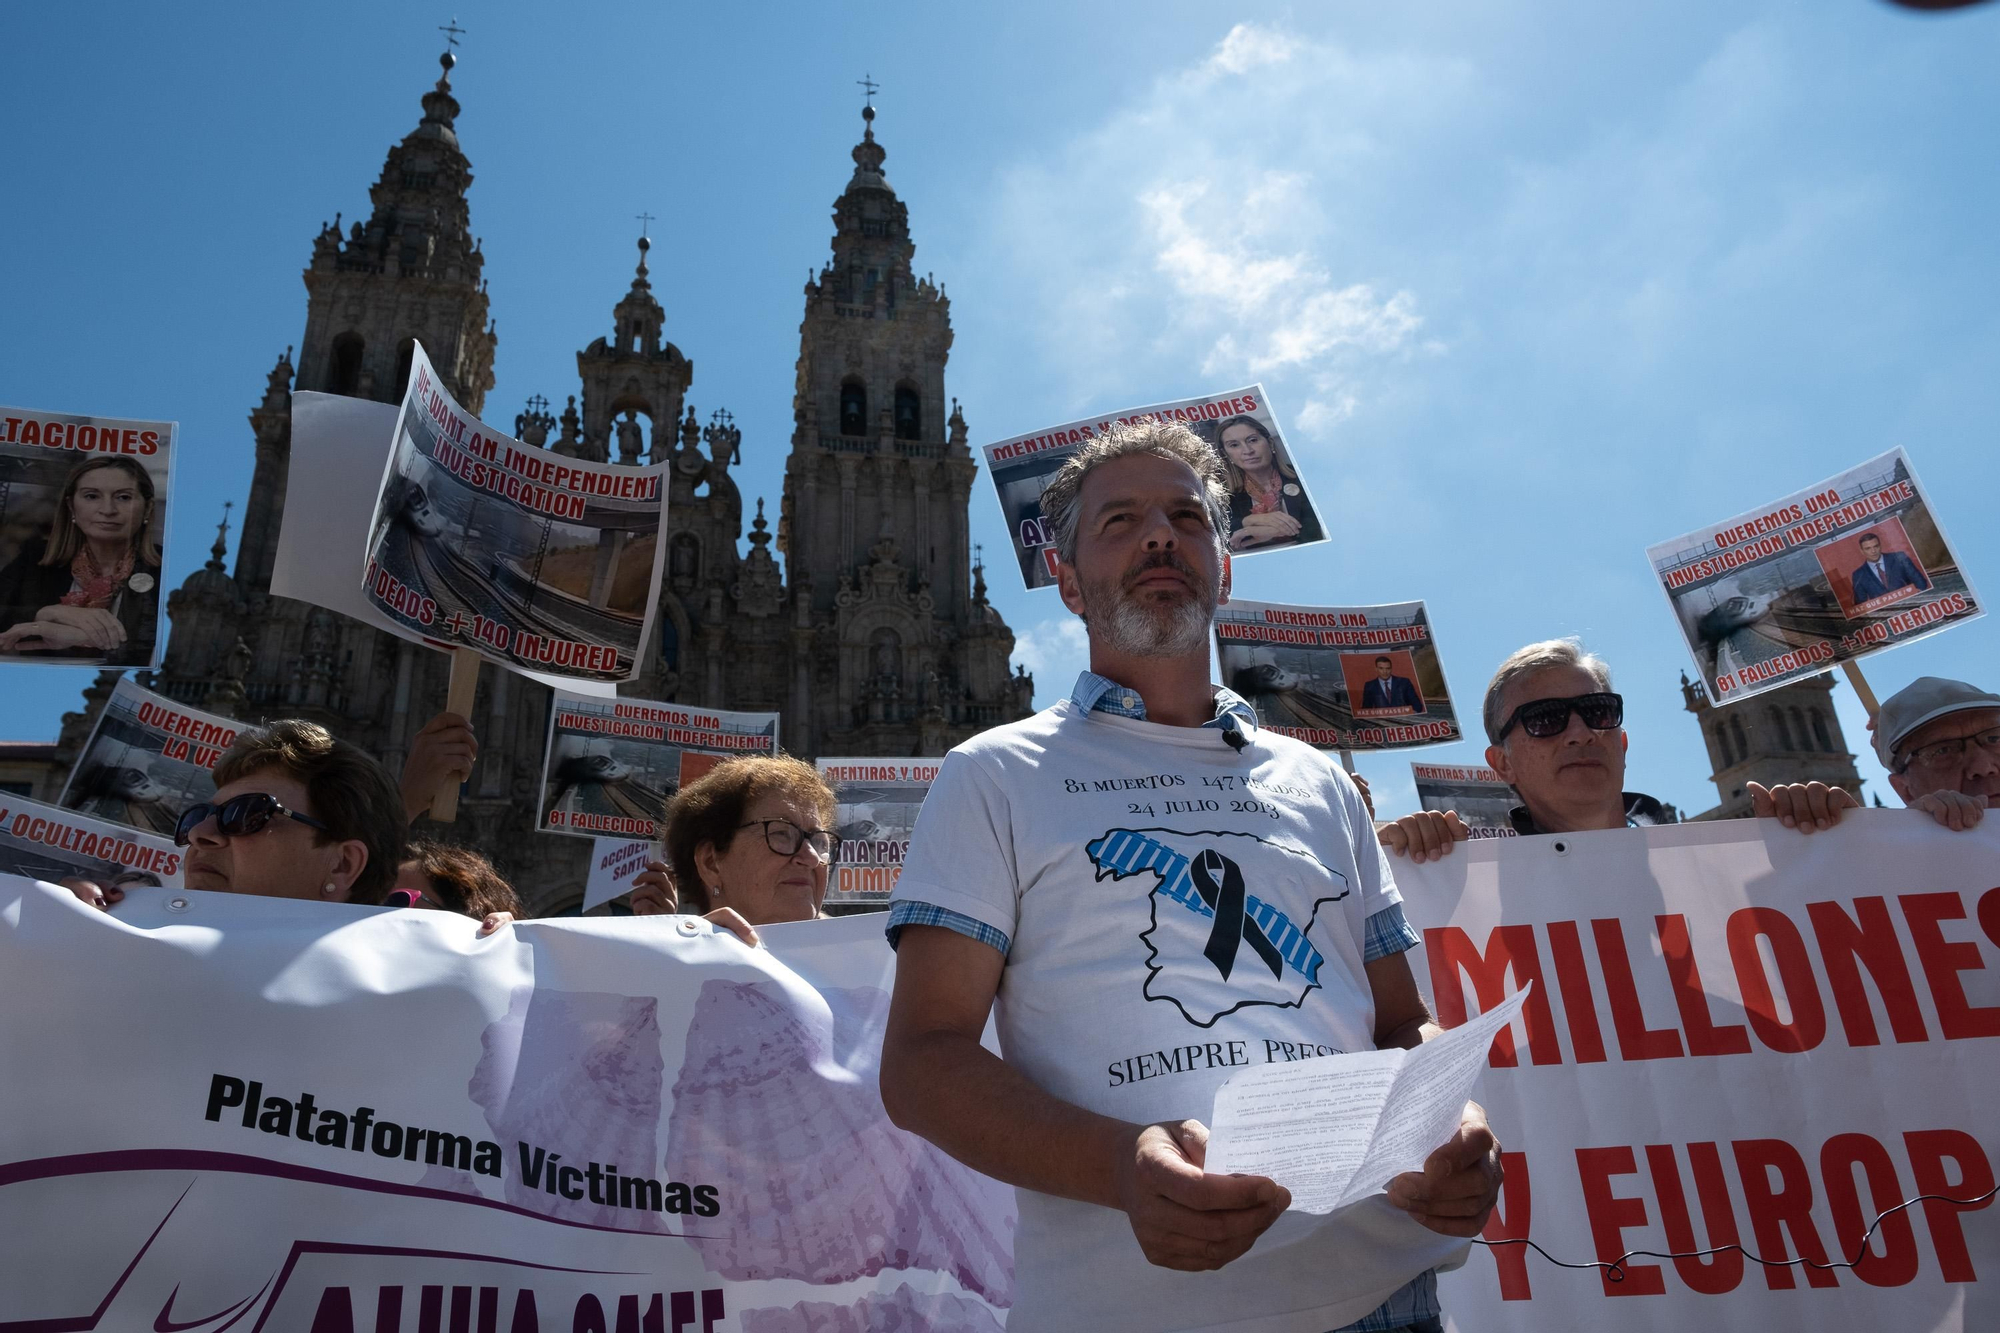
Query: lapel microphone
(1234, 739)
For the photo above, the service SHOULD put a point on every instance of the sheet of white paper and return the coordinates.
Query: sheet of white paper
(339, 447)
(614, 864)
(1336, 1129)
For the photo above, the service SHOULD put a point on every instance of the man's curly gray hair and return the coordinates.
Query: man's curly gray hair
(1061, 498)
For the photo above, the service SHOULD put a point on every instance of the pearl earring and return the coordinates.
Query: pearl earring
(328, 891)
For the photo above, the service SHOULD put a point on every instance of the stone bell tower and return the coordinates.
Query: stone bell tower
(1790, 734)
(895, 652)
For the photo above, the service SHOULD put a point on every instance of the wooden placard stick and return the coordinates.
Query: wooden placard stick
(1861, 689)
(458, 699)
(1347, 761)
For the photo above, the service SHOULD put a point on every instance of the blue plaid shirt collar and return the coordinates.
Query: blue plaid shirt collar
(1101, 694)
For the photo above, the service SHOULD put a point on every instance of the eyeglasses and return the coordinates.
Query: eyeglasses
(785, 838)
(1543, 718)
(1940, 753)
(238, 817)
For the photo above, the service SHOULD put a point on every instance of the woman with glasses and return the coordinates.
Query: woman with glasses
(748, 843)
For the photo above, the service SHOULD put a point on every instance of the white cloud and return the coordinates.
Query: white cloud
(1207, 224)
(1053, 651)
(1248, 46)
(1321, 415)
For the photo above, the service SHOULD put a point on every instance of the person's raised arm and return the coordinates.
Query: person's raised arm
(939, 1082)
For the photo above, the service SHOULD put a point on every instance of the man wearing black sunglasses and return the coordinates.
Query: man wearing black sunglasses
(1558, 737)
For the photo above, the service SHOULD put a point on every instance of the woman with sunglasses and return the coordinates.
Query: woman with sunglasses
(297, 813)
(748, 843)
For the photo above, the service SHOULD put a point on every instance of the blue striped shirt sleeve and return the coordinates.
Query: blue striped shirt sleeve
(911, 913)
(1385, 933)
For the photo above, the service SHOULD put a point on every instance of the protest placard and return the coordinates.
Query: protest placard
(612, 765)
(529, 558)
(147, 759)
(338, 450)
(1481, 797)
(1338, 677)
(83, 526)
(1829, 574)
(614, 864)
(1735, 1036)
(1269, 506)
(45, 842)
(877, 803)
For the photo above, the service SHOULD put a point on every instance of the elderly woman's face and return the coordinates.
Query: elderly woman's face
(763, 886)
(280, 860)
(108, 505)
(1247, 447)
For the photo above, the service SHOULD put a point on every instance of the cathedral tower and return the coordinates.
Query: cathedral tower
(411, 273)
(1790, 734)
(905, 655)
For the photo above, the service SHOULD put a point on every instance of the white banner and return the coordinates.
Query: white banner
(1731, 1040)
(263, 1114)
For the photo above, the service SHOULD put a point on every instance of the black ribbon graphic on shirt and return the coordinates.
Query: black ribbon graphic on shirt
(1220, 884)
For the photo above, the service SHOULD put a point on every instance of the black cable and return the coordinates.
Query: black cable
(1614, 1271)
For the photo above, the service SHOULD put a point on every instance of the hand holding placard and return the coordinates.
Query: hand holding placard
(1336, 1129)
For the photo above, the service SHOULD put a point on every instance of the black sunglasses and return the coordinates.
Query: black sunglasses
(1543, 718)
(238, 817)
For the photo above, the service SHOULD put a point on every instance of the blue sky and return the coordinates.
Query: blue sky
(1531, 286)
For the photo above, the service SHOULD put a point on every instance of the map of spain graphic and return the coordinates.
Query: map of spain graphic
(1232, 916)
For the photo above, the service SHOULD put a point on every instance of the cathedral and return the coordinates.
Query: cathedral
(875, 637)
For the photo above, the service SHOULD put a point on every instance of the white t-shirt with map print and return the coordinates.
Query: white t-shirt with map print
(1174, 911)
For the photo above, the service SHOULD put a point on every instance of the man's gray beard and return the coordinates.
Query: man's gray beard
(1130, 627)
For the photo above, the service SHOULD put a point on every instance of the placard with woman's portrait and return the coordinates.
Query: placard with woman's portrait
(1269, 506)
(83, 523)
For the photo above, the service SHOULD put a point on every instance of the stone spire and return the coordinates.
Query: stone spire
(634, 373)
(419, 230)
(221, 547)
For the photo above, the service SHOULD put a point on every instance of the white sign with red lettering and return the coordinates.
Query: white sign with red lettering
(1737, 1035)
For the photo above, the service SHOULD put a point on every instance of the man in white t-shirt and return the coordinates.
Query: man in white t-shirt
(1158, 893)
